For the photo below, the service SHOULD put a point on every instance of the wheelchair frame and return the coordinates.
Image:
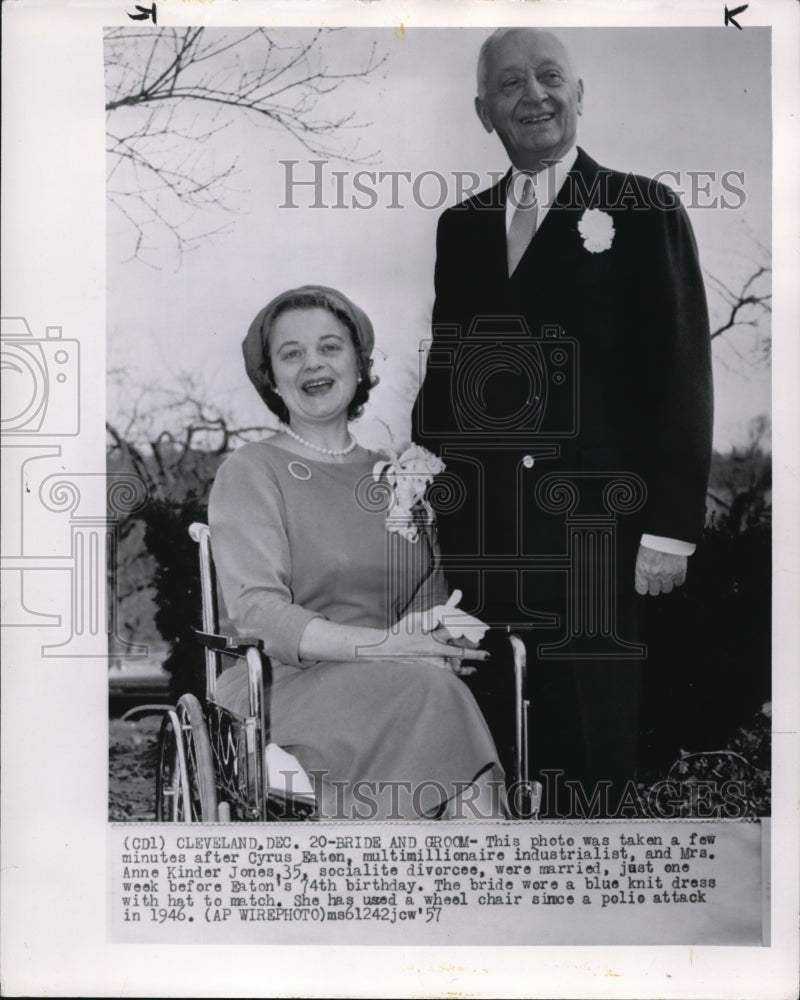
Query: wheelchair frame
(211, 761)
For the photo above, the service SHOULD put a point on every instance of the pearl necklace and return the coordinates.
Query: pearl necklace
(333, 452)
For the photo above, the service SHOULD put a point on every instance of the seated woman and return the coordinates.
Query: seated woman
(305, 561)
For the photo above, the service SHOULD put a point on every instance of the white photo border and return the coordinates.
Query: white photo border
(55, 711)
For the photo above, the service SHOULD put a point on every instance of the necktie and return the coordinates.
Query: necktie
(523, 226)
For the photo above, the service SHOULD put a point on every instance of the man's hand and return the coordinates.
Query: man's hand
(658, 572)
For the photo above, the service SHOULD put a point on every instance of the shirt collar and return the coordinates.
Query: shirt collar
(546, 182)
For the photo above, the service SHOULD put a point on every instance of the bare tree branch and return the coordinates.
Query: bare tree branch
(129, 452)
(165, 428)
(171, 90)
(740, 304)
(741, 300)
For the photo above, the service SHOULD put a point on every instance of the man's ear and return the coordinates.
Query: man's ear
(483, 114)
(580, 97)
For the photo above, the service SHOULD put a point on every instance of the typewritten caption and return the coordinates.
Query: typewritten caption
(666, 882)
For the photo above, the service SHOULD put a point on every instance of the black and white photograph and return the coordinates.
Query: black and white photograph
(391, 471)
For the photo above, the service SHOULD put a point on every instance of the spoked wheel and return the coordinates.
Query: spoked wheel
(185, 783)
(172, 779)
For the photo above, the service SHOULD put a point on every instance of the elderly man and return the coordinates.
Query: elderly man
(570, 337)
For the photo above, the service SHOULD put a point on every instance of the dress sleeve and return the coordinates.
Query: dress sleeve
(433, 589)
(249, 540)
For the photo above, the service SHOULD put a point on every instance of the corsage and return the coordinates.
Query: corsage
(408, 473)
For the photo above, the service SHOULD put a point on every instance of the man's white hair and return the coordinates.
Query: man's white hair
(497, 36)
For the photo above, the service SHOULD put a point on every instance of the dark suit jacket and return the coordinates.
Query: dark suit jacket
(628, 390)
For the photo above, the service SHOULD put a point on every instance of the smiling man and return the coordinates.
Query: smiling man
(528, 92)
(570, 346)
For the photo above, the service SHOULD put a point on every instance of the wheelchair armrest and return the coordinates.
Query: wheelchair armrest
(228, 643)
(528, 793)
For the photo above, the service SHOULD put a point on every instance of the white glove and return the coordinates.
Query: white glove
(458, 623)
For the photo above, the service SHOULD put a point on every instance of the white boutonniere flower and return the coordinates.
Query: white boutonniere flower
(408, 473)
(596, 229)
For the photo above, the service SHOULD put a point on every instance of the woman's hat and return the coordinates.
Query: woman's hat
(254, 345)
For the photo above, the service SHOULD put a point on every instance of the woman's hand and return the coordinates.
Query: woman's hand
(451, 627)
(419, 636)
(413, 638)
(469, 652)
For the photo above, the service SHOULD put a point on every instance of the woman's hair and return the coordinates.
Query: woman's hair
(366, 381)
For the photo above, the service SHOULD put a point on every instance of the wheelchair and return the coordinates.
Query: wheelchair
(215, 765)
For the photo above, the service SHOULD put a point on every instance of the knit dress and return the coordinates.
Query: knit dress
(295, 539)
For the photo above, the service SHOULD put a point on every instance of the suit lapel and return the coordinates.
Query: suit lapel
(556, 240)
(491, 208)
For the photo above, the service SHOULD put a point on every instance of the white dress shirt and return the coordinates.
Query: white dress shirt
(546, 185)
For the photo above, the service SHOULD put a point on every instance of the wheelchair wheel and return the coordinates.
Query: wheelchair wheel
(185, 782)
(172, 780)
